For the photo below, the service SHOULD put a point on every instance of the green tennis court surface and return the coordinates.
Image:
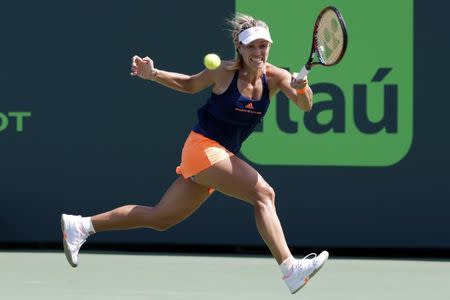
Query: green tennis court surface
(47, 275)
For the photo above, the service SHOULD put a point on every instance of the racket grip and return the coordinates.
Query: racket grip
(302, 74)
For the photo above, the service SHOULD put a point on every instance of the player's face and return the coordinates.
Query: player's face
(255, 54)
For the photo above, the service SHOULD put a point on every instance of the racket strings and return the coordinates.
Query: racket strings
(329, 38)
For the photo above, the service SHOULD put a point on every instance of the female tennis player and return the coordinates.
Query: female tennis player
(241, 93)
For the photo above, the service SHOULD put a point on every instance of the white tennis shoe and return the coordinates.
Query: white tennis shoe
(303, 270)
(73, 237)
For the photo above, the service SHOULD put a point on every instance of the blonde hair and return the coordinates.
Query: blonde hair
(239, 23)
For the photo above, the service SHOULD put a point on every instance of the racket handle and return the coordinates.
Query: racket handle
(302, 74)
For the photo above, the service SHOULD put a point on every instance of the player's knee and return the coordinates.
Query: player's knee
(164, 222)
(164, 225)
(265, 196)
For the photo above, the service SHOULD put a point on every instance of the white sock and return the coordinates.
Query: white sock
(286, 265)
(86, 224)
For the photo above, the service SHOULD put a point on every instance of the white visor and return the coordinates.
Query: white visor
(253, 33)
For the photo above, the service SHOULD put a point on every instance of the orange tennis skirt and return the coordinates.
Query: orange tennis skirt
(199, 153)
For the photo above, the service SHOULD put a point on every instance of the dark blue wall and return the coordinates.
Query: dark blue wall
(98, 138)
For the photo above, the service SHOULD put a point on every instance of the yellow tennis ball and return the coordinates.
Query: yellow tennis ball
(212, 61)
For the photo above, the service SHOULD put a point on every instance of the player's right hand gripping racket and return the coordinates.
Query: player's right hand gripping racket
(329, 40)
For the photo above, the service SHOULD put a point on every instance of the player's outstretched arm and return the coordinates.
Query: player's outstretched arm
(145, 69)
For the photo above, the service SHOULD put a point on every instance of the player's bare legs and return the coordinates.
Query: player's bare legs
(179, 202)
(236, 178)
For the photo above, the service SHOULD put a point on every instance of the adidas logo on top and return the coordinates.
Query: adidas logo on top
(249, 106)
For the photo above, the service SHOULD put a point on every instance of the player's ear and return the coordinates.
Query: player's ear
(238, 46)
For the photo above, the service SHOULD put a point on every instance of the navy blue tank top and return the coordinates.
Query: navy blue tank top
(229, 118)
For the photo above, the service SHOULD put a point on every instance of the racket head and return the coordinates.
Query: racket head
(330, 37)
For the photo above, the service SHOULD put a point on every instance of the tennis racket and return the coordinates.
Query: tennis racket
(329, 40)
